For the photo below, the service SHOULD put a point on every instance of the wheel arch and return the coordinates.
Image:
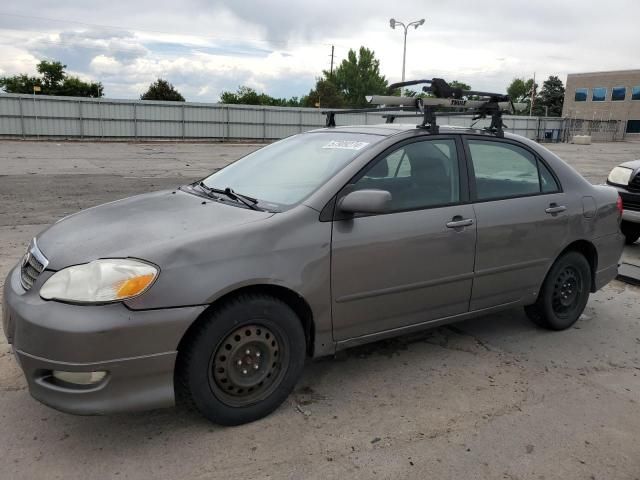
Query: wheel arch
(589, 251)
(294, 300)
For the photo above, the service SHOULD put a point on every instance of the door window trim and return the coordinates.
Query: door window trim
(463, 177)
(472, 175)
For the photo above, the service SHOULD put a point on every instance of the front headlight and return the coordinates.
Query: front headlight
(620, 175)
(100, 281)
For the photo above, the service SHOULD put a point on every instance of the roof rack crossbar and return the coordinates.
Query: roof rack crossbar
(437, 114)
(330, 120)
(496, 127)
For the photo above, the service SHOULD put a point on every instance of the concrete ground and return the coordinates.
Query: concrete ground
(493, 397)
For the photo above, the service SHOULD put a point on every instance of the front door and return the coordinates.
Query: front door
(415, 262)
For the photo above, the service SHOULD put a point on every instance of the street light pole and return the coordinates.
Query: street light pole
(404, 55)
(392, 23)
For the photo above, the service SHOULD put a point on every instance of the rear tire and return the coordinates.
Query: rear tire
(242, 361)
(631, 232)
(564, 294)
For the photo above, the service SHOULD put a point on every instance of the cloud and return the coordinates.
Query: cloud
(206, 46)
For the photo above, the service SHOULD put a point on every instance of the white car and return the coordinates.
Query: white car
(626, 178)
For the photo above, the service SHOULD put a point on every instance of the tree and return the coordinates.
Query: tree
(248, 96)
(162, 90)
(52, 75)
(520, 92)
(461, 85)
(19, 83)
(325, 94)
(551, 98)
(74, 87)
(53, 81)
(359, 75)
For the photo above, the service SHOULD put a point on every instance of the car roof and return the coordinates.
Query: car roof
(388, 129)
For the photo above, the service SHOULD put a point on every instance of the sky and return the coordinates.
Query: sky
(279, 47)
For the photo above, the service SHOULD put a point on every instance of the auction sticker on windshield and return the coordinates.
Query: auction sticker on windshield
(346, 144)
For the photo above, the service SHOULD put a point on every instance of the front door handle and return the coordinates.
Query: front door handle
(458, 222)
(555, 208)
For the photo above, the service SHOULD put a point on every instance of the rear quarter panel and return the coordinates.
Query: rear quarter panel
(593, 215)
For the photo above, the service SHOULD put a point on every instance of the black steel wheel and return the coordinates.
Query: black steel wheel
(567, 292)
(247, 365)
(242, 359)
(564, 293)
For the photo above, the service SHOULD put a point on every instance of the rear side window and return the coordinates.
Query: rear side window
(503, 170)
(548, 183)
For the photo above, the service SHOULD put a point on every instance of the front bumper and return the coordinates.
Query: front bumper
(630, 204)
(630, 216)
(137, 349)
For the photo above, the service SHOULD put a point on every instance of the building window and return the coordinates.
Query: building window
(581, 94)
(633, 126)
(635, 93)
(618, 94)
(599, 94)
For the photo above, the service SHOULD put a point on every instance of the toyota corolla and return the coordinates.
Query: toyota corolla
(218, 291)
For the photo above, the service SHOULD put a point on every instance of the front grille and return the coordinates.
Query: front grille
(631, 202)
(33, 264)
(634, 184)
(628, 205)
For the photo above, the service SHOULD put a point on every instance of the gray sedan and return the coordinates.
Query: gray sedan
(218, 291)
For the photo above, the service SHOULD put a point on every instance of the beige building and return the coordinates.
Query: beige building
(604, 96)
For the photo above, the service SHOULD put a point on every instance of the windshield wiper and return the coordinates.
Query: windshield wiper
(238, 197)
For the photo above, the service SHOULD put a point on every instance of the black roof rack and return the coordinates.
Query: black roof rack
(479, 104)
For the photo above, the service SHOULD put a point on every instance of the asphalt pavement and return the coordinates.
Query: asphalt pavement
(494, 397)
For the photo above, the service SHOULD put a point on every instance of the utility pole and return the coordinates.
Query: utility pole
(36, 88)
(533, 94)
(331, 70)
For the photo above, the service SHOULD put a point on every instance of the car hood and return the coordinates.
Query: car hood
(147, 226)
(634, 164)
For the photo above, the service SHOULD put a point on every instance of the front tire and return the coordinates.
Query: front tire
(631, 232)
(564, 293)
(242, 361)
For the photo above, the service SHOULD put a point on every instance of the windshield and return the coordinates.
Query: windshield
(286, 172)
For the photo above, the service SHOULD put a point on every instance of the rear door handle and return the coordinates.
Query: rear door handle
(463, 222)
(555, 208)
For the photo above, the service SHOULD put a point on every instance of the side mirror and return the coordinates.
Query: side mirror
(365, 201)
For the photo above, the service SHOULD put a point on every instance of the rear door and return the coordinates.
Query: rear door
(412, 264)
(522, 218)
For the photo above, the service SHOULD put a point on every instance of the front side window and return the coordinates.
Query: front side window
(581, 94)
(599, 94)
(635, 93)
(503, 170)
(286, 172)
(418, 175)
(618, 94)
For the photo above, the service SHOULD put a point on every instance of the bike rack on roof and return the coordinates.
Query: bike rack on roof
(479, 104)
